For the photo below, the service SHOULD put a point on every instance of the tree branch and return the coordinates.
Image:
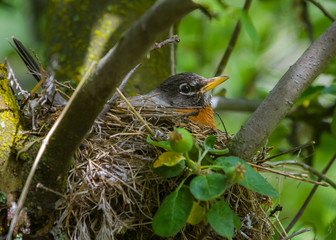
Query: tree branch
(232, 43)
(88, 101)
(235, 104)
(282, 97)
(325, 12)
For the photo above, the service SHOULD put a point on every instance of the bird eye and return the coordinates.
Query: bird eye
(185, 88)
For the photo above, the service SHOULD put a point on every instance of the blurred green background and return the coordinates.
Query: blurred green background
(274, 34)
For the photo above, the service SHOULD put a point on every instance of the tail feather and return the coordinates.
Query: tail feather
(32, 65)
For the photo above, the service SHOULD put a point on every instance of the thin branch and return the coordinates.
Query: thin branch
(172, 39)
(172, 53)
(281, 226)
(297, 233)
(289, 151)
(114, 97)
(281, 99)
(234, 104)
(232, 42)
(289, 175)
(325, 12)
(306, 20)
(312, 192)
(306, 167)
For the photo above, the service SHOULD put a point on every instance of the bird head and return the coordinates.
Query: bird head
(188, 90)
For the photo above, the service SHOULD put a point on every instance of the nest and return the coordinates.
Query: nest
(113, 193)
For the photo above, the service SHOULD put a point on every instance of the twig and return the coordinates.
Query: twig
(281, 226)
(289, 175)
(312, 192)
(172, 52)
(42, 149)
(114, 97)
(271, 222)
(41, 186)
(290, 151)
(172, 39)
(297, 233)
(232, 42)
(136, 113)
(308, 168)
(235, 104)
(326, 13)
(306, 20)
(204, 233)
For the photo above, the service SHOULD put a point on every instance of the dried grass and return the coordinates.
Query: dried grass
(113, 193)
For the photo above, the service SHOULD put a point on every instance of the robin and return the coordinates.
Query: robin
(186, 93)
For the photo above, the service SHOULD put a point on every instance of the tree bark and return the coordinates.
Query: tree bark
(280, 100)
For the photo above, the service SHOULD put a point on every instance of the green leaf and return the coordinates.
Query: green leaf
(222, 219)
(162, 144)
(207, 187)
(236, 222)
(168, 159)
(168, 172)
(209, 143)
(173, 212)
(252, 180)
(330, 90)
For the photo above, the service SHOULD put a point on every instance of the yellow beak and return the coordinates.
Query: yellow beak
(213, 82)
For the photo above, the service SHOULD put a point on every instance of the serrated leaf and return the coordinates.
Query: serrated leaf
(168, 172)
(222, 219)
(168, 159)
(207, 187)
(197, 214)
(173, 213)
(252, 180)
(162, 144)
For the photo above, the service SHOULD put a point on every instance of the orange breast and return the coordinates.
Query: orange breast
(205, 116)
